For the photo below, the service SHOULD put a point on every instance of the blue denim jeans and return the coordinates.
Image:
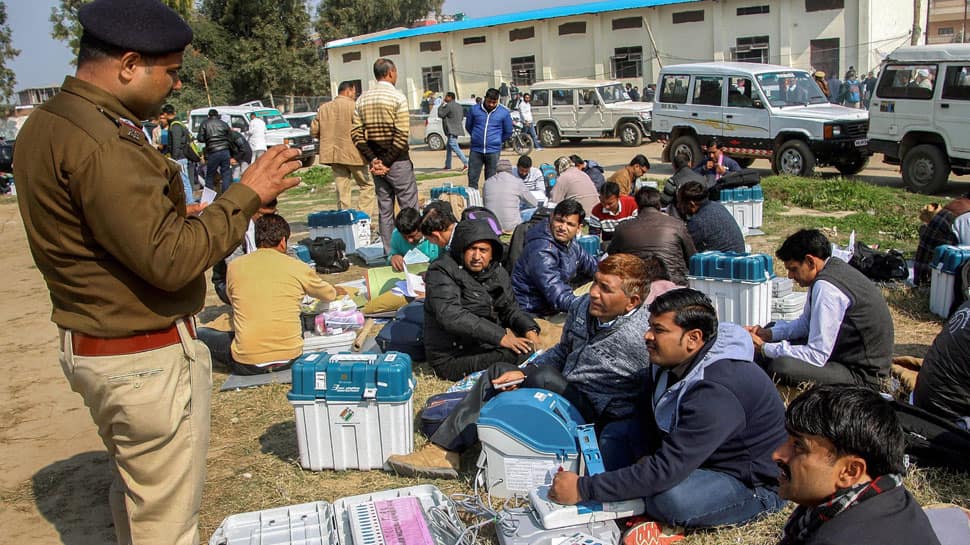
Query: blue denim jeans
(711, 498)
(186, 184)
(218, 161)
(535, 137)
(621, 444)
(453, 147)
(476, 160)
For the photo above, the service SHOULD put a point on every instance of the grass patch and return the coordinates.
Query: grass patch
(423, 176)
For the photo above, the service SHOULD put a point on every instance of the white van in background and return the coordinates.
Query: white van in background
(278, 129)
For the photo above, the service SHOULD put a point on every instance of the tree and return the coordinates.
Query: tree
(7, 52)
(343, 18)
(67, 28)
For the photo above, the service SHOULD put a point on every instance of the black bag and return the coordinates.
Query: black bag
(437, 409)
(879, 266)
(746, 177)
(328, 254)
(933, 441)
(517, 242)
(405, 333)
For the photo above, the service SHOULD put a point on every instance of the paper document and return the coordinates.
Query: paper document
(411, 286)
(415, 256)
(208, 196)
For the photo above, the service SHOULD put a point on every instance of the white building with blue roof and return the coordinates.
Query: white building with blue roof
(626, 40)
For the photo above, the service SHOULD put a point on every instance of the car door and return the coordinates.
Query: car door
(706, 111)
(589, 112)
(953, 109)
(744, 124)
(901, 104)
(564, 109)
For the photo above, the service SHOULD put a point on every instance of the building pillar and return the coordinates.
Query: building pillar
(785, 9)
(721, 53)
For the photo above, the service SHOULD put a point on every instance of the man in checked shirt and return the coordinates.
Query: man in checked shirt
(380, 131)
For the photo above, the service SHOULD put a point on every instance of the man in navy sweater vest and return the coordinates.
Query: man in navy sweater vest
(710, 419)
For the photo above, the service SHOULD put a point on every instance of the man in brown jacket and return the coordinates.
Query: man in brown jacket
(106, 221)
(332, 126)
(627, 176)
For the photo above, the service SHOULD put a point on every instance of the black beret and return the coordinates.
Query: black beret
(145, 26)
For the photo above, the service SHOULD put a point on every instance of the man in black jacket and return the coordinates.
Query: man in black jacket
(843, 466)
(451, 115)
(710, 224)
(469, 306)
(214, 133)
(180, 148)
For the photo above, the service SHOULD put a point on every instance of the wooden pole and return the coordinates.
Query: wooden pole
(205, 82)
(454, 77)
(917, 29)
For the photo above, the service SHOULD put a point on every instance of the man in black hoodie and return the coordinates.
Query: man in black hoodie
(469, 306)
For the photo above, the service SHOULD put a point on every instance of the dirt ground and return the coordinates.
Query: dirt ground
(53, 487)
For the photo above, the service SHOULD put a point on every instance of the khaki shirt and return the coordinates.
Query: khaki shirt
(105, 217)
(332, 126)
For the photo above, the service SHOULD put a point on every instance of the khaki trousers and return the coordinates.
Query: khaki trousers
(152, 412)
(345, 177)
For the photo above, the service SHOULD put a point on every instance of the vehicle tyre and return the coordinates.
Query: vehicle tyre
(435, 142)
(522, 144)
(925, 169)
(630, 135)
(549, 136)
(744, 162)
(686, 145)
(852, 165)
(794, 158)
(307, 162)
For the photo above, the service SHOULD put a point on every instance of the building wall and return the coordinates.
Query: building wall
(867, 30)
(947, 15)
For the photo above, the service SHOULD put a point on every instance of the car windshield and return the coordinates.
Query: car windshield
(613, 93)
(273, 119)
(792, 88)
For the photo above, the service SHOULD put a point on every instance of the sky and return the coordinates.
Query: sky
(45, 61)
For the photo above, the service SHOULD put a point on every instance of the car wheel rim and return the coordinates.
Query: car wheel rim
(686, 151)
(921, 172)
(791, 162)
(628, 136)
(546, 137)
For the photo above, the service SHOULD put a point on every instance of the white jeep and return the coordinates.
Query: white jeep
(757, 111)
(920, 111)
(278, 129)
(576, 109)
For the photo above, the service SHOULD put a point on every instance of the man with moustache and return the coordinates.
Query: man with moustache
(843, 465)
(105, 217)
(710, 419)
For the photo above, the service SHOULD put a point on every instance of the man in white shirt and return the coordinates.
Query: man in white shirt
(525, 114)
(257, 135)
(845, 333)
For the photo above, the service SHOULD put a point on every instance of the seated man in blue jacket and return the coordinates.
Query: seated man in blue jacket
(550, 260)
(599, 365)
(710, 421)
(490, 125)
(715, 163)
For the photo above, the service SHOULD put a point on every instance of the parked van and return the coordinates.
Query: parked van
(758, 111)
(919, 116)
(278, 129)
(576, 109)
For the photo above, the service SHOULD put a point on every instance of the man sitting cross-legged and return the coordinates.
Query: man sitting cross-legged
(710, 419)
(843, 466)
(598, 365)
(265, 289)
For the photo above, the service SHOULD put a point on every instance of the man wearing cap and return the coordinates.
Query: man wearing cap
(105, 218)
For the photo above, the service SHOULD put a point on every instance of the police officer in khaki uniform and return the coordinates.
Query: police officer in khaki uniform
(106, 221)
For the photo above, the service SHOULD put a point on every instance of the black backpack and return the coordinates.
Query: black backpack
(328, 254)
(517, 242)
(879, 266)
(931, 440)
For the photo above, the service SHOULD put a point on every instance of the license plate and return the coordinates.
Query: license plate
(861, 142)
(309, 147)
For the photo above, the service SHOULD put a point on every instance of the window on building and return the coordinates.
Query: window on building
(522, 33)
(945, 31)
(432, 78)
(562, 97)
(823, 5)
(352, 56)
(673, 89)
(707, 90)
(957, 83)
(752, 49)
(430, 46)
(472, 40)
(576, 27)
(628, 62)
(627, 22)
(524, 70)
(540, 98)
(825, 55)
(915, 81)
(388, 50)
(754, 10)
(693, 16)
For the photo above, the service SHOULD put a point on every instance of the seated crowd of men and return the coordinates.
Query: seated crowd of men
(686, 409)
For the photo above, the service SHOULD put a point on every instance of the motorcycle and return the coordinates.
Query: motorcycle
(520, 140)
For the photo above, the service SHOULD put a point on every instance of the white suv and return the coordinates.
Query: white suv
(575, 109)
(757, 111)
(278, 129)
(920, 111)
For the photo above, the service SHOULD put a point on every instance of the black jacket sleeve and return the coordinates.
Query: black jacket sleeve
(444, 302)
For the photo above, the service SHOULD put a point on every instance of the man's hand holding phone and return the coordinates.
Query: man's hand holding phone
(508, 380)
